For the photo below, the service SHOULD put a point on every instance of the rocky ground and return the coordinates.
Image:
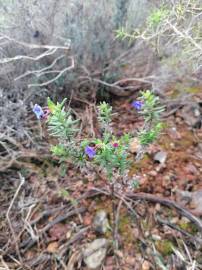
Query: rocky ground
(67, 222)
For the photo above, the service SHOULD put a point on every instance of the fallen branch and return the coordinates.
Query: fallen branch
(74, 239)
(49, 50)
(183, 232)
(22, 181)
(28, 243)
(153, 198)
(60, 73)
(117, 225)
(34, 46)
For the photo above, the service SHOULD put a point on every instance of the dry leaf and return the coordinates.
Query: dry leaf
(58, 231)
(52, 247)
(87, 220)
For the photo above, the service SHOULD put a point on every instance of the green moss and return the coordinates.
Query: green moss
(192, 90)
(165, 247)
(188, 226)
(180, 90)
(125, 229)
(137, 166)
(175, 93)
(145, 224)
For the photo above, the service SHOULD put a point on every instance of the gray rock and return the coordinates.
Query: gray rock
(100, 222)
(191, 114)
(198, 151)
(200, 147)
(160, 157)
(95, 253)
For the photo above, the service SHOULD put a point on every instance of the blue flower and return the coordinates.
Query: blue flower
(38, 111)
(137, 105)
(90, 151)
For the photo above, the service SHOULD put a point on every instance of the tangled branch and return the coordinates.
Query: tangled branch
(50, 50)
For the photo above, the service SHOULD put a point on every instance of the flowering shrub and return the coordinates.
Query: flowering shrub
(109, 153)
(90, 151)
(137, 105)
(149, 107)
(38, 111)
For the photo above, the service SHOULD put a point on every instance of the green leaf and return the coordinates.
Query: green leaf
(51, 105)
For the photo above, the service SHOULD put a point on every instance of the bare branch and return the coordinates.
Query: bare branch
(39, 72)
(60, 73)
(20, 57)
(22, 181)
(35, 46)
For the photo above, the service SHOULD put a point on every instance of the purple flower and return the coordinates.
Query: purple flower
(137, 104)
(90, 151)
(115, 145)
(46, 113)
(38, 111)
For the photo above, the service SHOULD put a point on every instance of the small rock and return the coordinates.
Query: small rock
(178, 120)
(172, 145)
(95, 253)
(153, 173)
(100, 223)
(136, 233)
(160, 157)
(183, 197)
(58, 231)
(130, 260)
(174, 220)
(197, 112)
(193, 198)
(191, 114)
(68, 234)
(134, 146)
(109, 264)
(146, 265)
(200, 146)
(119, 254)
(184, 220)
(156, 237)
(147, 234)
(158, 207)
(196, 202)
(87, 220)
(174, 134)
(190, 168)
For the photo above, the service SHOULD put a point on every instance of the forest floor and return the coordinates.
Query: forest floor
(47, 220)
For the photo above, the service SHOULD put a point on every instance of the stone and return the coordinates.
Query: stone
(174, 134)
(191, 114)
(160, 157)
(146, 265)
(100, 222)
(130, 260)
(200, 146)
(196, 202)
(95, 252)
(156, 237)
(190, 168)
(153, 173)
(134, 146)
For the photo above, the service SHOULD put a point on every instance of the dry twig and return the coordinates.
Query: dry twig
(22, 181)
